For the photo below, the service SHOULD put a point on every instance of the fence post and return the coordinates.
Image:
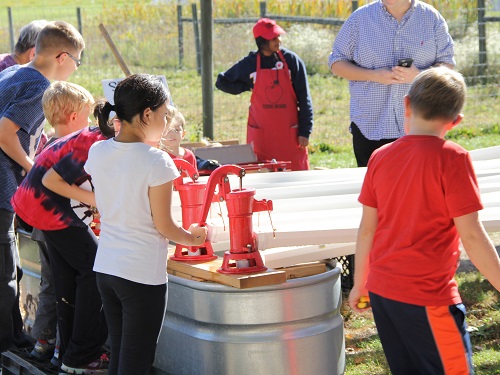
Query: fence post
(481, 26)
(196, 38)
(79, 21)
(11, 29)
(354, 5)
(180, 37)
(263, 10)
(207, 87)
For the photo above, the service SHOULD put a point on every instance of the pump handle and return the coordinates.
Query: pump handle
(219, 177)
(187, 168)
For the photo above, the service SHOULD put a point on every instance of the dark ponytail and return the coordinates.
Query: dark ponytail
(102, 110)
(136, 93)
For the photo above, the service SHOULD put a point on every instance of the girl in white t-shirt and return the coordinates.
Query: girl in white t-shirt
(133, 189)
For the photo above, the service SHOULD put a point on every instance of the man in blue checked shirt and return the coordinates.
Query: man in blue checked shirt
(367, 51)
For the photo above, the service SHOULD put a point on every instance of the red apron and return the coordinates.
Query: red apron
(273, 118)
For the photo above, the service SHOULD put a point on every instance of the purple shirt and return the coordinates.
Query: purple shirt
(6, 60)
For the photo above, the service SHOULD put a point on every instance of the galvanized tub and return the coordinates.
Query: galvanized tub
(30, 283)
(293, 328)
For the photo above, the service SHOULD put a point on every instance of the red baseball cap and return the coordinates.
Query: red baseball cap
(267, 29)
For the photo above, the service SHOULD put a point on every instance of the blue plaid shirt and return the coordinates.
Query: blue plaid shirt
(372, 38)
(21, 91)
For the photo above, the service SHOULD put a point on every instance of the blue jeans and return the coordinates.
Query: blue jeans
(9, 259)
(134, 313)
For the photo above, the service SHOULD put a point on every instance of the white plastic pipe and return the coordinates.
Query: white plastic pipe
(289, 256)
(486, 153)
(314, 208)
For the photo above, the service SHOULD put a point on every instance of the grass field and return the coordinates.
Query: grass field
(146, 36)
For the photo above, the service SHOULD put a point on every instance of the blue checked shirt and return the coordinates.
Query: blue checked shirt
(21, 91)
(372, 38)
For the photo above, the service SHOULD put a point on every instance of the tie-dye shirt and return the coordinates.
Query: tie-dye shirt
(41, 207)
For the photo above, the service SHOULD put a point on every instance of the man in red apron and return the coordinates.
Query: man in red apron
(280, 117)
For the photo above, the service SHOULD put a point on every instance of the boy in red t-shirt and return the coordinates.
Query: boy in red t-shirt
(420, 197)
(172, 137)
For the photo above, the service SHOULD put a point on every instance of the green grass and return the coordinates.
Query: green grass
(146, 36)
(471, 138)
(61, 3)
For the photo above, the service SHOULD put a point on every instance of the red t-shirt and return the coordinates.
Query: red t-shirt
(42, 208)
(418, 184)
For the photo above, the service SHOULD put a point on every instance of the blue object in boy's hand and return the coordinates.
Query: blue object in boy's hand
(206, 165)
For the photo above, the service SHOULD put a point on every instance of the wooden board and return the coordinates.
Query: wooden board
(227, 142)
(231, 154)
(13, 364)
(185, 275)
(304, 270)
(208, 271)
(292, 272)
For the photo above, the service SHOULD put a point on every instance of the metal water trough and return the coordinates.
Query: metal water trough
(293, 328)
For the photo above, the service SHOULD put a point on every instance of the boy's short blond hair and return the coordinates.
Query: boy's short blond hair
(177, 118)
(59, 36)
(62, 98)
(438, 93)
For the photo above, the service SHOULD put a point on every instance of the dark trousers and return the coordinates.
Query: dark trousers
(45, 326)
(9, 293)
(363, 147)
(81, 321)
(134, 313)
(420, 340)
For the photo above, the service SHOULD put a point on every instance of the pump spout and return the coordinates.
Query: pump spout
(262, 205)
(191, 195)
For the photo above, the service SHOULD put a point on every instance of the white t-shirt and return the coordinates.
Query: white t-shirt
(130, 247)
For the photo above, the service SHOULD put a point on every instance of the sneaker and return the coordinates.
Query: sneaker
(44, 349)
(56, 361)
(99, 366)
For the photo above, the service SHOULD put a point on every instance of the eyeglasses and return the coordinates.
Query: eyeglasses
(77, 62)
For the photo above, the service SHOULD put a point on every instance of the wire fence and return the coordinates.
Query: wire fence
(147, 36)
